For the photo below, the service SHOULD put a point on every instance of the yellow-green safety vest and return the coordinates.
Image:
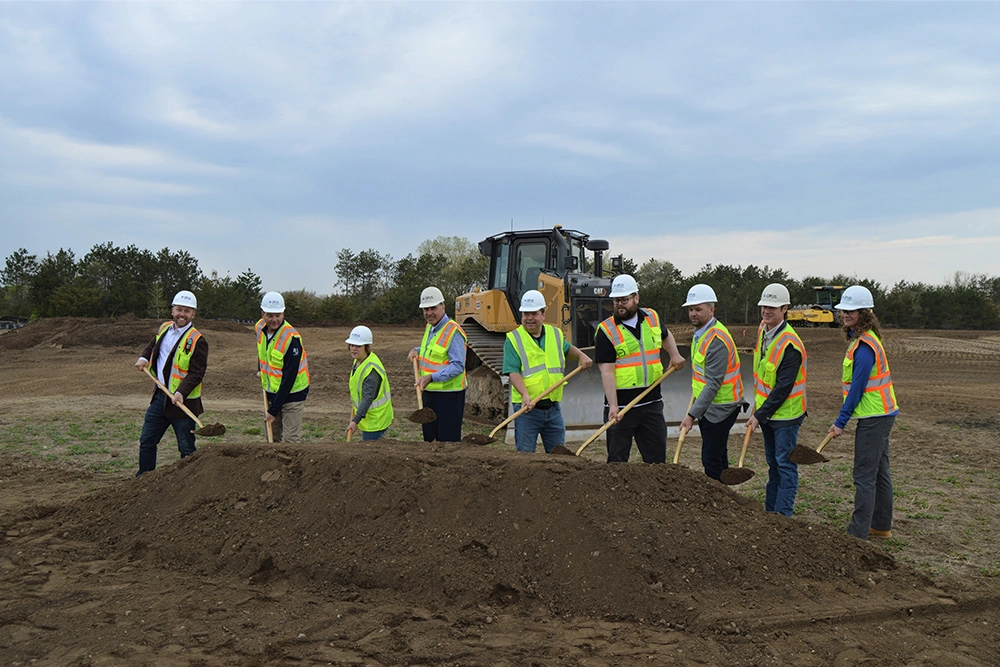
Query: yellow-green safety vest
(540, 369)
(271, 357)
(765, 372)
(433, 356)
(379, 414)
(879, 397)
(637, 362)
(731, 390)
(182, 360)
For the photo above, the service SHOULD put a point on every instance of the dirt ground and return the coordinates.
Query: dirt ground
(405, 553)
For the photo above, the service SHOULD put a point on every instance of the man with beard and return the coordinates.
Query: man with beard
(284, 369)
(627, 350)
(179, 356)
(441, 369)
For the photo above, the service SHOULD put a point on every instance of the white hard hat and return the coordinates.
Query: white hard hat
(431, 297)
(360, 335)
(700, 293)
(185, 298)
(532, 301)
(774, 295)
(856, 297)
(273, 302)
(623, 285)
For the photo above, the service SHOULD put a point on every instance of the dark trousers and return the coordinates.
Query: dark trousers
(714, 444)
(645, 424)
(872, 481)
(449, 406)
(154, 426)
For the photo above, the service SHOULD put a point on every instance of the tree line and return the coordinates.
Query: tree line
(370, 286)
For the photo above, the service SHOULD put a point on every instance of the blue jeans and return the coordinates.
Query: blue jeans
(154, 426)
(372, 435)
(872, 482)
(547, 423)
(782, 474)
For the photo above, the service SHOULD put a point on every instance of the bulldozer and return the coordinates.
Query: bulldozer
(557, 263)
(821, 312)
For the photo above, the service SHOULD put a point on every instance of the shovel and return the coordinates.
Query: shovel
(631, 404)
(211, 430)
(480, 439)
(422, 415)
(739, 474)
(680, 438)
(270, 433)
(801, 454)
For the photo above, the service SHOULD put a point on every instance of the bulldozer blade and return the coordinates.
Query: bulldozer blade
(735, 476)
(211, 430)
(802, 455)
(423, 416)
(560, 450)
(477, 439)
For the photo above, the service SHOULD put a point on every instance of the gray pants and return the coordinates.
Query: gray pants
(872, 483)
(288, 424)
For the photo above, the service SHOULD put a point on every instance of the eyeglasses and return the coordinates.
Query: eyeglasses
(623, 299)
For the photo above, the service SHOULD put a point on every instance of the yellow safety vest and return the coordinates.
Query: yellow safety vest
(379, 414)
(637, 362)
(271, 357)
(433, 356)
(765, 372)
(540, 368)
(182, 360)
(731, 389)
(880, 395)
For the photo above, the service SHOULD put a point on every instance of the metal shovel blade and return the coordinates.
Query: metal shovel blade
(477, 439)
(735, 476)
(802, 455)
(423, 416)
(211, 430)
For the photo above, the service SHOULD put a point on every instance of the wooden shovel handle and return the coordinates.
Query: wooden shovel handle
(524, 408)
(684, 431)
(416, 378)
(168, 393)
(270, 432)
(631, 404)
(746, 443)
(826, 440)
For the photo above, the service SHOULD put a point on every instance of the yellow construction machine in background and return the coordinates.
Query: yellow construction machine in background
(821, 312)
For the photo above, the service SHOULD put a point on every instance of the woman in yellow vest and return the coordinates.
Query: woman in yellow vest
(779, 378)
(534, 358)
(869, 396)
(371, 401)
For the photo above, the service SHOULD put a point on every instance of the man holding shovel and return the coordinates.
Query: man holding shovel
(441, 369)
(534, 357)
(716, 384)
(179, 355)
(627, 347)
(284, 369)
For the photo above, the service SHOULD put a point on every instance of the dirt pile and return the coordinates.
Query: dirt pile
(446, 525)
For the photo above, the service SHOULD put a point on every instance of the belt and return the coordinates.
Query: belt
(545, 404)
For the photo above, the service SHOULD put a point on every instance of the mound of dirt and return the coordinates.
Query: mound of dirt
(124, 331)
(440, 526)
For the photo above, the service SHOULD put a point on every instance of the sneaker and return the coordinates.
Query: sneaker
(872, 532)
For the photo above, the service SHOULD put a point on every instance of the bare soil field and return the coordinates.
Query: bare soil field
(399, 552)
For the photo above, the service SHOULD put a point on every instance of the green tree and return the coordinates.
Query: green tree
(54, 271)
(463, 266)
(17, 276)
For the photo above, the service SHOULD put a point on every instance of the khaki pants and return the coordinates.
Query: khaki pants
(287, 425)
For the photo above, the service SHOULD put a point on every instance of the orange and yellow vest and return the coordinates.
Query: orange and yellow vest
(765, 372)
(731, 389)
(540, 369)
(879, 397)
(182, 360)
(637, 362)
(271, 357)
(433, 355)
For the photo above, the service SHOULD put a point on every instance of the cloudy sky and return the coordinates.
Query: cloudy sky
(820, 137)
